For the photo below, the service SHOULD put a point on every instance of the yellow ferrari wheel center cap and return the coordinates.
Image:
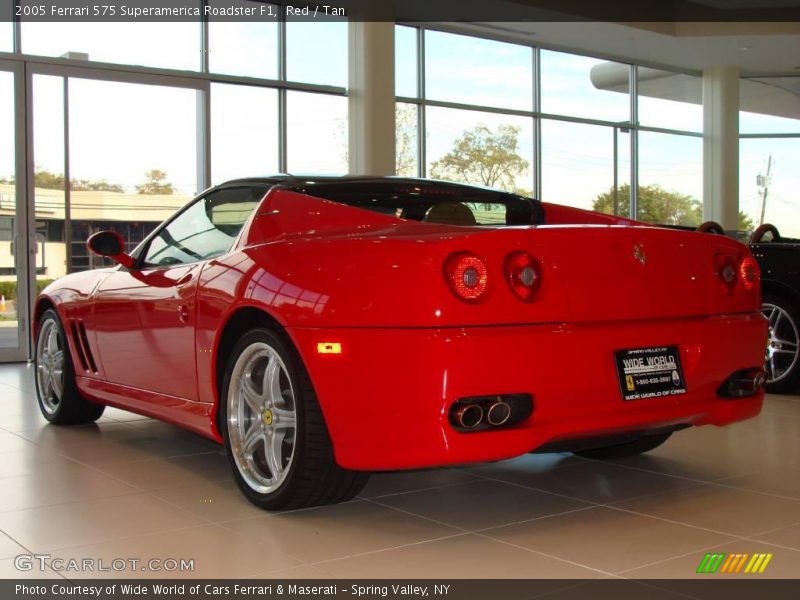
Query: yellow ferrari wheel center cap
(267, 417)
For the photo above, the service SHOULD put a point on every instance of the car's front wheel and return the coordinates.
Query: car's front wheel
(782, 361)
(59, 399)
(274, 430)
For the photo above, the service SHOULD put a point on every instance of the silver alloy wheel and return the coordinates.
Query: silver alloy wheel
(782, 348)
(262, 417)
(50, 366)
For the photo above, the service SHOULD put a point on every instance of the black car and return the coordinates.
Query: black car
(779, 259)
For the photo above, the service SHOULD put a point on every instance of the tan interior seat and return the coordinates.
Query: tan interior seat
(450, 213)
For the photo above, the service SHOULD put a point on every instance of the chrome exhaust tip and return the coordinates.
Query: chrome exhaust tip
(498, 413)
(760, 381)
(468, 416)
(744, 383)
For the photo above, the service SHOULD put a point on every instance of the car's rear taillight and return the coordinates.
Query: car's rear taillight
(733, 270)
(523, 275)
(749, 272)
(467, 276)
(727, 270)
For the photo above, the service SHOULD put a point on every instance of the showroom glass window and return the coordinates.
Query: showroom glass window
(169, 45)
(405, 61)
(449, 128)
(244, 131)
(406, 139)
(248, 47)
(670, 179)
(471, 70)
(579, 161)
(49, 184)
(133, 186)
(474, 90)
(316, 52)
(206, 229)
(670, 100)
(316, 126)
(769, 151)
(6, 36)
(263, 127)
(576, 124)
(581, 86)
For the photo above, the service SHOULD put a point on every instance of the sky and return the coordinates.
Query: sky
(119, 131)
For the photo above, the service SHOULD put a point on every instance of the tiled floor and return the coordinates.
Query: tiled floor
(133, 488)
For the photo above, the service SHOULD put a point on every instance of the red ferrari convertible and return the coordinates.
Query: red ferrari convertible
(323, 328)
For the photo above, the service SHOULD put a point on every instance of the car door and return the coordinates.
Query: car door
(144, 317)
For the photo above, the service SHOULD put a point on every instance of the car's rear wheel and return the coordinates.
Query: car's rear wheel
(632, 448)
(59, 399)
(274, 430)
(782, 362)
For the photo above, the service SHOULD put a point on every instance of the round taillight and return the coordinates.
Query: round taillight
(467, 276)
(727, 270)
(523, 275)
(749, 272)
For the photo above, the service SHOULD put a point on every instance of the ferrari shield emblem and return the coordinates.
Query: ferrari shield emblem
(629, 383)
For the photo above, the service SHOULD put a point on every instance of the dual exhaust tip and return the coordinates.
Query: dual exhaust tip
(469, 416)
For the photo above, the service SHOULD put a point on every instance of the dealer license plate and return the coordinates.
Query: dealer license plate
(650, 372)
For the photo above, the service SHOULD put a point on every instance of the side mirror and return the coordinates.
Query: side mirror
(111, 245)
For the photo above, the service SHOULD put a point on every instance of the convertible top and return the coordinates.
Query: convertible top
(413, 198)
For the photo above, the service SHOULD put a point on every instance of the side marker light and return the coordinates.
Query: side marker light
(329, 348)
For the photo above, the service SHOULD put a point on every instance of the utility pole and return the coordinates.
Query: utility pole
(762, 181)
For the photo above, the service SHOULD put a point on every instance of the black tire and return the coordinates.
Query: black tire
(632, 448)
(788, 380)
(312, 476)
(67, 407)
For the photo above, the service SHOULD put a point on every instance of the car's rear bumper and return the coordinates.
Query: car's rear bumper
(386, 396)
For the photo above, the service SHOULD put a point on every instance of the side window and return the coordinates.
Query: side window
(204, 230)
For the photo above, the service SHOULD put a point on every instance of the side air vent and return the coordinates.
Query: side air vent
(78, 345)
(86, 347)
(85, 356)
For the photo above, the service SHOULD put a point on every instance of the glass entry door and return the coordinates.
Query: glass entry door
(14, 265)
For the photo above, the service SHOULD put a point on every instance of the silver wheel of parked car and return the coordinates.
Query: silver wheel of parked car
(782, 348)
(50, 365)
(262, 418)
(56, 388)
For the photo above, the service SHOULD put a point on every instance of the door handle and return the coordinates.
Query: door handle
(183, 314)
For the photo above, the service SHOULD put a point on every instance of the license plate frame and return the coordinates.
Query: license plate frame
(649, 373)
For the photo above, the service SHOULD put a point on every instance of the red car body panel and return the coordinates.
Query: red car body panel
(567, 368)
(331, 273)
